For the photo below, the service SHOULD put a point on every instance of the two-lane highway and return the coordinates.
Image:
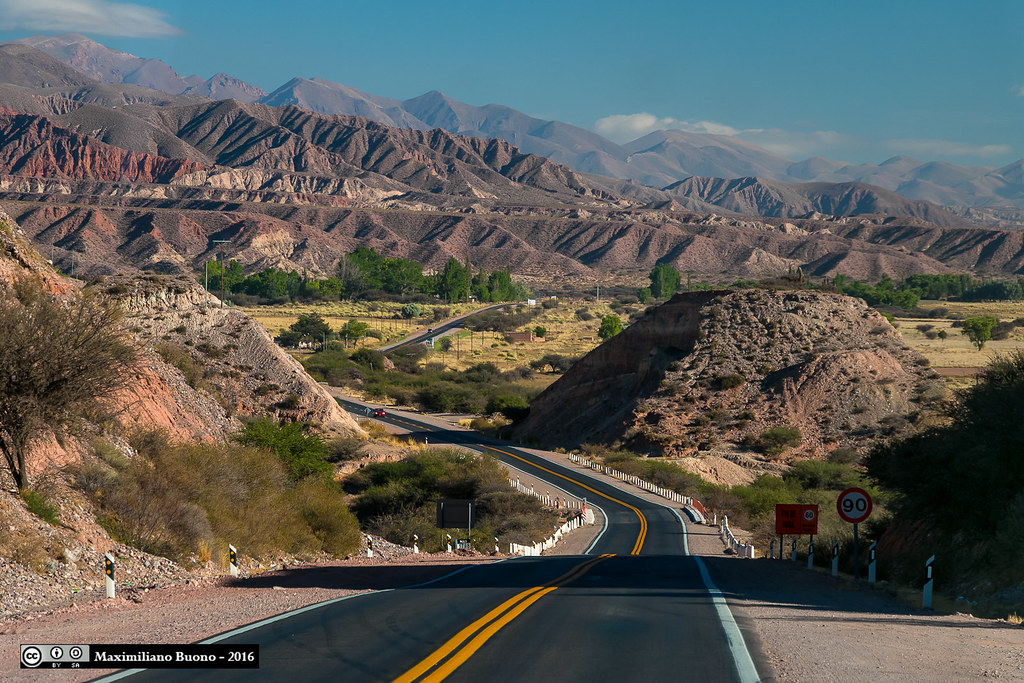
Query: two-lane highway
(636, 608)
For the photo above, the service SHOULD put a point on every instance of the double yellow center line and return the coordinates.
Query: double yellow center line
(457, 650)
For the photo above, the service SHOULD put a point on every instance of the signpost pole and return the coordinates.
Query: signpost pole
(871, 563)
(926, 596)
(856, 554)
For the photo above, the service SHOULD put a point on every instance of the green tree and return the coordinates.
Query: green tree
(410, 311)
(979, 329)
(643, 294)
(452, 283)
(664, 280)
(311, 327)
(540, 331)
(611, 325)
(58, 360)
(353, 330)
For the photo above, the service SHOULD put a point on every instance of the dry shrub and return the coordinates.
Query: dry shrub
(190, 501)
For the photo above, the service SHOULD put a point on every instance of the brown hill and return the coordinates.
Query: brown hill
(202, 366)
(762, 197)
(703, 376)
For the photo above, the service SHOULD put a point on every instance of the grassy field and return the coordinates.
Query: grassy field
(381, 316)
(956, 351)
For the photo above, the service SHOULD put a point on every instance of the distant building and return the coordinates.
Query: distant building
(513, 337)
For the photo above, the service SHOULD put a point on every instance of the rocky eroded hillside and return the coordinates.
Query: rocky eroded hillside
(707, 376)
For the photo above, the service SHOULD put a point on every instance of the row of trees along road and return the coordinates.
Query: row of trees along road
(366, 274)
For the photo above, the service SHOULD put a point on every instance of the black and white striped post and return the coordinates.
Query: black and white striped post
(369, 547)
(835, 558)
(792, 554)
(496, 550)
(926, 597)
(233, 561)
(871, 563)
(108, 570)
(771, 550)
(810, 553)
(415, 544)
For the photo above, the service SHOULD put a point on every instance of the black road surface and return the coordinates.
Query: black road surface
(636, 608)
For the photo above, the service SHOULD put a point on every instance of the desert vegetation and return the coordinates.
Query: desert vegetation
(397, 500)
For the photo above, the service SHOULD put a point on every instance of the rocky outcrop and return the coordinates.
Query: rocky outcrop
(704, 376)
(223, 352)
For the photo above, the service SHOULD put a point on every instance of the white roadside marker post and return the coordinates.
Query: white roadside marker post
(810, 553)
(369, 547)
(415, 544)
(771, 550)
(496, 551)
(233, 561)
(926, 597)
(449, 542)
(871, 563)
(835, 559)
(108, 570)
(792, 555)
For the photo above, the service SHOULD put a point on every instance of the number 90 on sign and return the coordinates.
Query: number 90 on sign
(854, 505)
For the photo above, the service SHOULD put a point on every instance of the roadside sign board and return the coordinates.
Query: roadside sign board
(454, 514)
(796, 520)
(854, 505)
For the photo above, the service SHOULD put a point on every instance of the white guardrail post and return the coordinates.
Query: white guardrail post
(233, 561)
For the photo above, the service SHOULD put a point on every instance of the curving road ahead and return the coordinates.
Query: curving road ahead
(637, 607)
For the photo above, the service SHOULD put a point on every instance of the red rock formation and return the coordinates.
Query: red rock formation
(33, 146)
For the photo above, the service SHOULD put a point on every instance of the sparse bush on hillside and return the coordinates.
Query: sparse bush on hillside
(173, 501)
(731, 381)
(58, 359)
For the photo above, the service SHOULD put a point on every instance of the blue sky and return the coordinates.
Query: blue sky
(855, 81)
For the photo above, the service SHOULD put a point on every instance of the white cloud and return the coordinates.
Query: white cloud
(623, 128)
(84, 16)
(946, 148)
(627, 127)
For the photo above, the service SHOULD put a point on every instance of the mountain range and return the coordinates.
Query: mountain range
(660, 159)
(113, 177)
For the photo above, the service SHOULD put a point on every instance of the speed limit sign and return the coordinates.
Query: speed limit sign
(854, 505)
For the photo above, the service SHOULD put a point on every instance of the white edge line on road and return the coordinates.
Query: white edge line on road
(285, 615)
(737, 646)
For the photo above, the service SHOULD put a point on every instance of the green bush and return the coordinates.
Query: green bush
(777, 439)
(304, 454)
(39, 506)
(731, 381)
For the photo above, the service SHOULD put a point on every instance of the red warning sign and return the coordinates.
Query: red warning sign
(796, 520)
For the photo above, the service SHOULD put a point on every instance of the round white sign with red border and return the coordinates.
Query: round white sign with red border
(854, 505)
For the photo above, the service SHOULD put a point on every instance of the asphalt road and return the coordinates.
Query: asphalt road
(636, 608)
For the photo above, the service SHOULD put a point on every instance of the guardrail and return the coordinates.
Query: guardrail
(558, 502)
(586, 517)
(741, 549)
(689, 502)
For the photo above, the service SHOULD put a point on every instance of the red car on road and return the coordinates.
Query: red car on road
(379, 412)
